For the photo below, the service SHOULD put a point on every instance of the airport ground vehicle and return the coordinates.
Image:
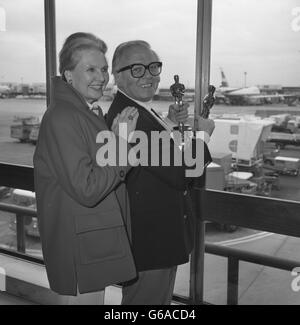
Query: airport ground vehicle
(216, 180)
(22, 128)
(283, 165)
(26, 199)
(240, 182)
(242, 138)
(282, 139)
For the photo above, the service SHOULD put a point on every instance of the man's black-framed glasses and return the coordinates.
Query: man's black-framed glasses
(138, 70)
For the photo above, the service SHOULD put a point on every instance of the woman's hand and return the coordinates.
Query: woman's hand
(129, 116)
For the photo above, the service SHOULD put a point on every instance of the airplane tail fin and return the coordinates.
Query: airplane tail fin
(224, 80)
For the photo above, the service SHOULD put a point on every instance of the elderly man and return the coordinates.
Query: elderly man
(162, 218)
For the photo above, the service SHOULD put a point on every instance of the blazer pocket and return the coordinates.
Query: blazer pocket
(98, 220)
(100, 236)
(101, 245)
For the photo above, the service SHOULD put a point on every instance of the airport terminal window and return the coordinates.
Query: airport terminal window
(22, 79)
(22, 102)
(257, 97)
(255, 66)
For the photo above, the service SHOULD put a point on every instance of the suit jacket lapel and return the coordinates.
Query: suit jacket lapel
(145, 115)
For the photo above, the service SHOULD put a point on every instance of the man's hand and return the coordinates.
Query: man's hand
(178, 114)
(205, 125)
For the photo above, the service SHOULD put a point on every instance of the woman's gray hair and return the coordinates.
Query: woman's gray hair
(68, 56)
(123, 48)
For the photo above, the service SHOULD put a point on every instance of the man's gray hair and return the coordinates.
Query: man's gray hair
(124, 47)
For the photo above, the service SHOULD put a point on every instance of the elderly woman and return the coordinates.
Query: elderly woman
(79, 203)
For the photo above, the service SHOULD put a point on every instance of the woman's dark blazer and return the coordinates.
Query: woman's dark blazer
(80, 214)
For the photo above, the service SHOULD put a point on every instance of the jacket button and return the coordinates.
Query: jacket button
(185, 193)
(185, 217)
(122, 174)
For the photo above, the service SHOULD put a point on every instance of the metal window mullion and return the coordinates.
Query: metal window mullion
(204, 22)
(50, 44)
(203, 52)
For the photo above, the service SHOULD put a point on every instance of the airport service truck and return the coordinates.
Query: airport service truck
(282, 139)
(282, 165)
(243, 138)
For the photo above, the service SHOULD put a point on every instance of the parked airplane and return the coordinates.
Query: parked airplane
(4, 91)
(249, 95)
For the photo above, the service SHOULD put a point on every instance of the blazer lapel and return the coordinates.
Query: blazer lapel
(150, 120)
(145, 116)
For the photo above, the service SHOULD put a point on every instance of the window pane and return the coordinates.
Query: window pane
(169, 26)
(22, 78)
(255, 66)
(22, 104)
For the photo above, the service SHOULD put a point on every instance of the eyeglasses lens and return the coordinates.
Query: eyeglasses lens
(138, 71)
(155, 69)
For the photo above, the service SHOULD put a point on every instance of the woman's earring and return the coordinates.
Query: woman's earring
(70, 81)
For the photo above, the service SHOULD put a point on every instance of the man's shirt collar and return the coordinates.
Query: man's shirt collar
(147, 105)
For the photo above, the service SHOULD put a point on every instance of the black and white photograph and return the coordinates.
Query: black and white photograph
(150, 155)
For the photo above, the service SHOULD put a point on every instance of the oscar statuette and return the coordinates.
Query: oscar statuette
(208, 102)
(177, 91)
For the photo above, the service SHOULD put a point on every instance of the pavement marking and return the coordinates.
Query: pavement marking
(2, 279)
(245, 239)
(241, 238)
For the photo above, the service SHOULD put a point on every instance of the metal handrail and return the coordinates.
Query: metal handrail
(21, 213)
(250, 257)
(16, 209)
(234, 256)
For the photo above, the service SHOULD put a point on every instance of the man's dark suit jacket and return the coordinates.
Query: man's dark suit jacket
(160, 203)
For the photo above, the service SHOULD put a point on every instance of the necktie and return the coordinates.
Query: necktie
(97, 110)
